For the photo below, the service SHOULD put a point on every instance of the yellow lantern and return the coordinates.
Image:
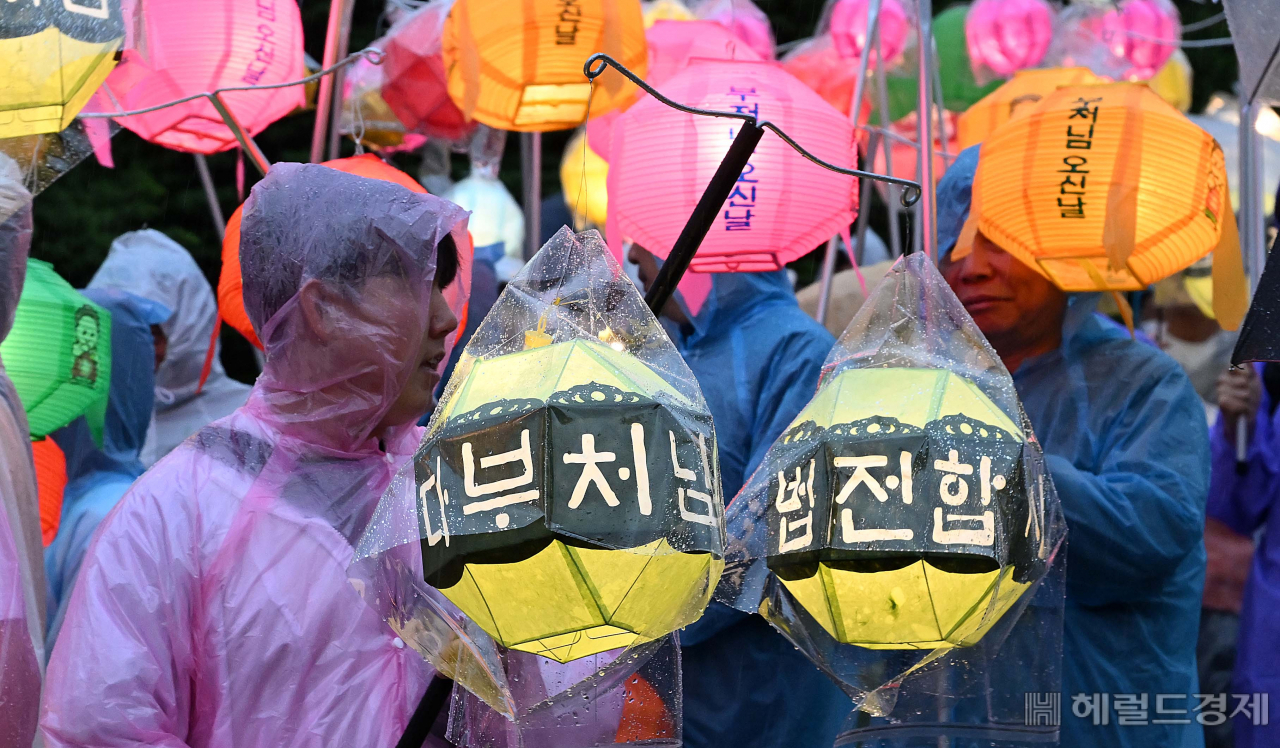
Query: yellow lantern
(55, 56)
(1014, 98)
(1173, 81)
(666, 10)
(518, 66)
(1103, 188)
(583, 177)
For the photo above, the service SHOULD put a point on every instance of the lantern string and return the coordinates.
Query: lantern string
(597, 63)
(584, 196)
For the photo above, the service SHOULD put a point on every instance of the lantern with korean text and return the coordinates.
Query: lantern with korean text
(1017, 97)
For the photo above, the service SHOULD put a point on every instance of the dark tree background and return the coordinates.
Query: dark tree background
(79, 215)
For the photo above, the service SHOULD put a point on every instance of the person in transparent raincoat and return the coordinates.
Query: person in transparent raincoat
(214, 606)
(21, 574)
(151, 265)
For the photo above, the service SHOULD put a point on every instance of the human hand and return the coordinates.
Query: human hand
(1239, 395)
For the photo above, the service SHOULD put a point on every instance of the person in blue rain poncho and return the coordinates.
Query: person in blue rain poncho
(757, 357)
(1126, 443)
(98, 478)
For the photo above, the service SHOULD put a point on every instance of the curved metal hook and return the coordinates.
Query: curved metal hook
(597, 63)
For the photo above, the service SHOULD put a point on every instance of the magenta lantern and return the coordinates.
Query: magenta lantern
(782, 207)
(745, 20)
(1144, 32)
(195, 47)
(1005, 36)
(416, 86)
(849, 28)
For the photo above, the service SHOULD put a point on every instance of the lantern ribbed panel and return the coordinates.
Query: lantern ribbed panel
(661, 161)
(1016, 97)
(518, 66)
(1154, 180)
(51, 481)
(193, 47)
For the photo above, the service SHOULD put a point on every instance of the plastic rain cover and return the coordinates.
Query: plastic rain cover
(567, 503)
(903, 532)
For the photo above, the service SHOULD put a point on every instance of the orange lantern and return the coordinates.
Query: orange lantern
(230, 286)
(518, 66)
(51, 481)
(1015, 98)
(1104, 187)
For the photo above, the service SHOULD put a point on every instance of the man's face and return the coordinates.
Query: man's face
(1013, 305)
(418, 396)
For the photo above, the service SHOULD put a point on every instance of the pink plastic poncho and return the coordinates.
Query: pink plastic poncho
(214, 608)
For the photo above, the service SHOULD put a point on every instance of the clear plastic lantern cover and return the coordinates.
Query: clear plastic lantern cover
(847, 21)
(364, 115)
(745, 20)
(496, 218)
(1080, 40)
(903, 533)
(416, 86)
(1005, 36)
(1143, 32)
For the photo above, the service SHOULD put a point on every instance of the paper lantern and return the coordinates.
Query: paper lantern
(496, 217)
(1017, 97)
(58, 353)
(1103, 187)
(1005, 36)
(230, 286)
(1173, 81)
(817, 64)
(365, 115)
(584, 181)
(960, 87)
(849, 28)
(198, 47)
(519, 66)
(1144, 32)
(415, 86)
(665, 10)
(54, 55)
(912, 532)
(51, 481)
(905, 157)
(783, 206)
(744, 20)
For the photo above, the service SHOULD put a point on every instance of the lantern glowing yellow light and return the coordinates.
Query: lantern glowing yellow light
(1103, 188)
(1017, 97)
(54, 56)
(584, 176)
(518, 66)
(666, 10)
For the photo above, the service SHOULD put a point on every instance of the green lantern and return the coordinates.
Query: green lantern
(58, 353)
(959, 88)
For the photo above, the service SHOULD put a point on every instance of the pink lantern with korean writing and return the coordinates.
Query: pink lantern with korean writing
(849, 28)
(1144, 32)
(196, 47)
(1005, 36)
(783, 205)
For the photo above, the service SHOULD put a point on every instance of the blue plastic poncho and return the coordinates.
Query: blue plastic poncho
(757, 357)
(98, 478)
(1125, 440)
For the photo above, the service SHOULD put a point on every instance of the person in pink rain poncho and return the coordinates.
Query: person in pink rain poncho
(214, 607)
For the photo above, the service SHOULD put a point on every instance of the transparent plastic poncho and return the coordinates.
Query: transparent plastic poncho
(566, 501)
(904, 534)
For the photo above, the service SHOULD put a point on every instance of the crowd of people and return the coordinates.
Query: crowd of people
(197, 594)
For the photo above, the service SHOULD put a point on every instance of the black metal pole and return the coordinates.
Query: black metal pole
(429, 709)
(704, 214)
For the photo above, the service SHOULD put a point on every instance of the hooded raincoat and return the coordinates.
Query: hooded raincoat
(21, 574)
(98, 478)
(757, 357)
(1126, 443)
(214, 607)
(1248, 503)
(149, 264)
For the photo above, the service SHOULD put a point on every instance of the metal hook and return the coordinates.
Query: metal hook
(597, 63)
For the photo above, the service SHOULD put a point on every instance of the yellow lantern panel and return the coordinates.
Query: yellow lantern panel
(48, 79)
(519, 66)
(1103, 187)
(1016, 97)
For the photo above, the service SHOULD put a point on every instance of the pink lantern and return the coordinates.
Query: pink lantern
(849, 28)
(1005, 36)
(415, 84)
(195, 47)
(783, 205)
(1144, 32)
(672, 44)
(745, 20)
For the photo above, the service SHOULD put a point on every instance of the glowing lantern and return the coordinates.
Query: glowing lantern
(1015, 98)
(519, 66)
(1005, 36)
(1103, 187)
(744, 20)
(783, 206)
(567, 486)
(849, 28)
(197, 47)
(584, 179)
(416, 87)
(58, 354)
(51, 481)
(1144, 32)
(665, 10)
(55, 56)
(1173, 82)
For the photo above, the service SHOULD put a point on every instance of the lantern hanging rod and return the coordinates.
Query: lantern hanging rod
(597, 63)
